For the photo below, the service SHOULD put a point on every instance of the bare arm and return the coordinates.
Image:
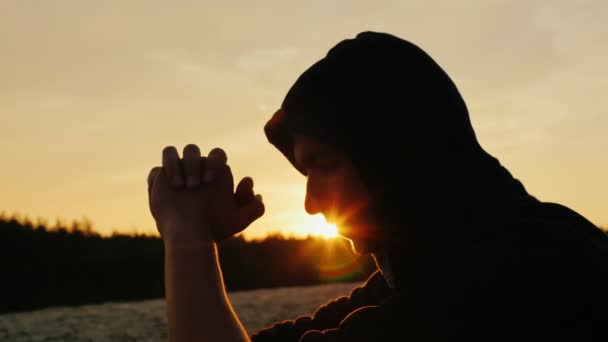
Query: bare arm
(198, 308)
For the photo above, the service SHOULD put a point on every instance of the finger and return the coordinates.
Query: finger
(192, 166)
(244, 191)
(152, 176)
(249, 212)
(215, 159)
(244, 216)
(172, 167)
(223, 179)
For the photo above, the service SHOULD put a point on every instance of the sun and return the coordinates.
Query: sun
(320, 227)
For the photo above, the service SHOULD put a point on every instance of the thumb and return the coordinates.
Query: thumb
(244, 215)
(249, 212)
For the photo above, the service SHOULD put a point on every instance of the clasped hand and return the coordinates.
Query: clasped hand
(193, 199)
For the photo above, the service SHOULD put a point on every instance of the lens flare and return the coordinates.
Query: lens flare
(338, 262)
(320, 227)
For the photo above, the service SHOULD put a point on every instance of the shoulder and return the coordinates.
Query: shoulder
(564, 258)
(550, 241)
(554, 224)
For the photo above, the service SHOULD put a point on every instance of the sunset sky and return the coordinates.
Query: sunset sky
(91, 92)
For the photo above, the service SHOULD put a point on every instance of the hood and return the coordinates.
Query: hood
(392, 109)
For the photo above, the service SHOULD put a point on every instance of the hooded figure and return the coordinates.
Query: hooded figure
(462, 249)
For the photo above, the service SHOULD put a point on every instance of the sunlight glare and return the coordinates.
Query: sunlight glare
(320, 227)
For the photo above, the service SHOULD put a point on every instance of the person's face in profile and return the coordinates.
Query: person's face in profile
(335, 189)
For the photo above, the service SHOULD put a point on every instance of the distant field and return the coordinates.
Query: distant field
(145, 320)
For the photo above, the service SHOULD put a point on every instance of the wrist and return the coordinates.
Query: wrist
(188, 246)
(189, 257)
(186, 236)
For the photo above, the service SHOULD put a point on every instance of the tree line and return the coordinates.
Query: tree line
(68, 265)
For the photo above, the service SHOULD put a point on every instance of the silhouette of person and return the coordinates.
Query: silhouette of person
(384, 139)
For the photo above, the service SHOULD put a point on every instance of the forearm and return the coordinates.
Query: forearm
(197, 306)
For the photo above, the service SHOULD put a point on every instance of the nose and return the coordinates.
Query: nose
(311, 204)
(312, 200)
(311, 207)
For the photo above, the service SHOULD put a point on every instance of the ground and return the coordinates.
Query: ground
(145, 320)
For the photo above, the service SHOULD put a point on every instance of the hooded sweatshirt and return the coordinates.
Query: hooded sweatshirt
(471, 253)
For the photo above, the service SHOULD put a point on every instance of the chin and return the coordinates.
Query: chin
(363, 247)
(361, 243)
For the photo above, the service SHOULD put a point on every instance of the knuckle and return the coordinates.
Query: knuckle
(222, 170)
(225, 168)
(217, 154)
(247, 182)
(191, 149)
(169, 150)
(153, 172)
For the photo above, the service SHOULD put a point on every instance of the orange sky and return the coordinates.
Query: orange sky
(89, 95)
